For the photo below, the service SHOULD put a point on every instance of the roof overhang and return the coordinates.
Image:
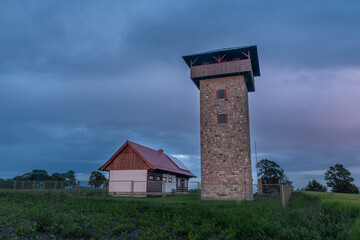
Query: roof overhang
(236, 52)
(224, 63)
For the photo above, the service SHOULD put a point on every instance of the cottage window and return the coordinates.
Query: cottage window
(151, 177)
(164, 179)
(221, 94)
(178, 183)
(222, 119)
(170, 179)
(158, 178)
(186, 183)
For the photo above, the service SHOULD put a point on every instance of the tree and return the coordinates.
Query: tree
(96, 179)
(37, 175)
(271, 173)
(58, 177)
(70, 178)
(338, 178)
(315, 186)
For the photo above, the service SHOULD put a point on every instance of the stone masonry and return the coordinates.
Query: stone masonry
(225, 148)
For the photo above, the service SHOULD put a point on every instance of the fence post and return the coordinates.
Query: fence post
(246, 195)
(104, 188)
(14, 186)
(260, 187)
(132, 188)
(55, 186)
(163, 189)
(34, 186)
(284, 195)
(78, 188)
(238, 194)
(199, 191)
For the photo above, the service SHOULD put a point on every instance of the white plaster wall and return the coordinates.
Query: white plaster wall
(169, 186)
(120, 180)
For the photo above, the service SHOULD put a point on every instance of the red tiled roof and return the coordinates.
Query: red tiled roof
(154, 158)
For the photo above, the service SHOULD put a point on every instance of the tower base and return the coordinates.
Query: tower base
(227, 192)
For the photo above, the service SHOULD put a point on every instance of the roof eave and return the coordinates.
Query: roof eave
(252, 49)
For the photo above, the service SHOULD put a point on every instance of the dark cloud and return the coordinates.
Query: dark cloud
(79, 78)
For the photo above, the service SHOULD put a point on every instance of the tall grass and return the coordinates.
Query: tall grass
(341, 203)
(25, 216)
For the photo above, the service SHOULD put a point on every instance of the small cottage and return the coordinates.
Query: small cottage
(136, 169)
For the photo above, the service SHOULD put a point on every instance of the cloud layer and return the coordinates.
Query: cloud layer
(77, 79)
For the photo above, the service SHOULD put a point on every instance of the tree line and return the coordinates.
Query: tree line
(338, 178)
(68, 178)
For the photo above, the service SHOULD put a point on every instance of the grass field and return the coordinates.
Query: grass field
(348, 204)
(60, 216)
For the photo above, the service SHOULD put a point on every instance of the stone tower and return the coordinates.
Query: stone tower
(224, 78)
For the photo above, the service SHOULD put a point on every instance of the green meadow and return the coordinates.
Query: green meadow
(347, 204)
(63, 216)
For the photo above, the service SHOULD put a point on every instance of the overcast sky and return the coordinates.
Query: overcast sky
(79, 78)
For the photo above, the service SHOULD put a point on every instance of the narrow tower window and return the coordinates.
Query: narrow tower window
(221, 94)
(222, 119)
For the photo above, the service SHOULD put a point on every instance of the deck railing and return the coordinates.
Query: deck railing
(221, 68)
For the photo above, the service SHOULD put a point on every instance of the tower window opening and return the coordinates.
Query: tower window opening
(222, 119)
(221, 94)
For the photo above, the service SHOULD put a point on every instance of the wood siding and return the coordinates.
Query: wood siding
(221, 68)
(127, 160)
(154, 185)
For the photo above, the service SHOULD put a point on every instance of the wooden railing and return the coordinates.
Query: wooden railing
(221, 68)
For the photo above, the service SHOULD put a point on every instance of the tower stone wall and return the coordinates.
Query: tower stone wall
(225, 147)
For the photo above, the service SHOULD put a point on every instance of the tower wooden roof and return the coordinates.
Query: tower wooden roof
(225, 62)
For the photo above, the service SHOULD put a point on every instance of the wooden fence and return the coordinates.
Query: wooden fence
(131, 188)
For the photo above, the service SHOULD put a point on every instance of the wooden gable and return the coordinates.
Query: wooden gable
(127, 159)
